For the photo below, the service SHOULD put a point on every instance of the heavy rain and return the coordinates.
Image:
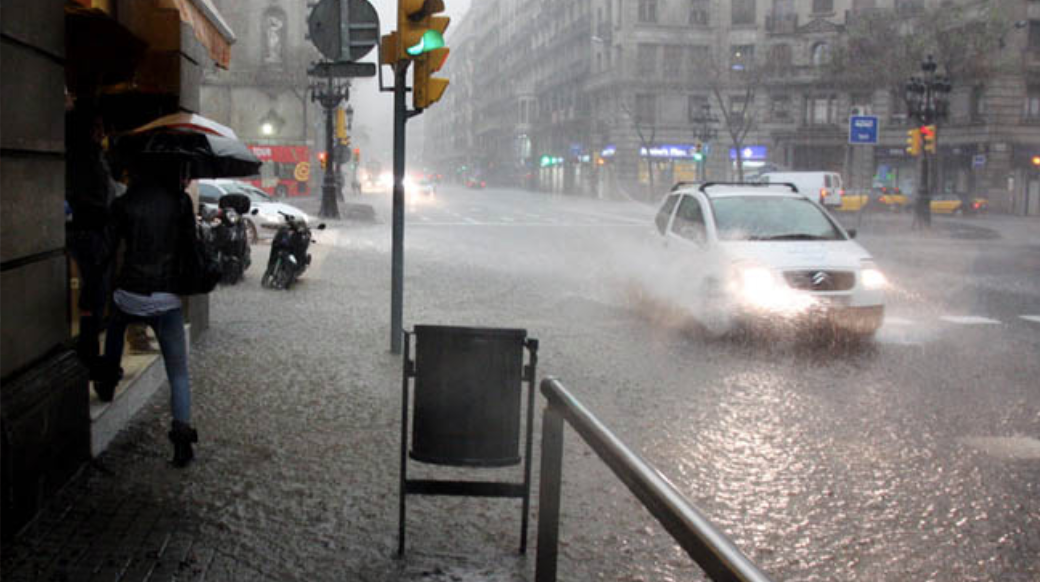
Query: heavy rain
(785, 252)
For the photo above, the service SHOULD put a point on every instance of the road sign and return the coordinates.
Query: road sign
(978, 160)
(863, 129)
(344, 30)
(338, 70)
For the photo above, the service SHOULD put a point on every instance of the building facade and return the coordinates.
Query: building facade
(263, 94)
(608, 97)
(148, 66)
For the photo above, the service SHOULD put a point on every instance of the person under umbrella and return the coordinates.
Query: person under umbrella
(152, 223)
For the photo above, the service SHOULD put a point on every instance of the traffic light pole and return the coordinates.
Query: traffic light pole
(397, 253)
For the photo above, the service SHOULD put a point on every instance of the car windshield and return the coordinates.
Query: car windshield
(771, 218)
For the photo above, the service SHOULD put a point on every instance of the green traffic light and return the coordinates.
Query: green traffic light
(431, 40)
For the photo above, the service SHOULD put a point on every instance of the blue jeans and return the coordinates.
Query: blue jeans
(169, 329)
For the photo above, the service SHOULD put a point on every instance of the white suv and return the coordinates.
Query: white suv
(764, 252)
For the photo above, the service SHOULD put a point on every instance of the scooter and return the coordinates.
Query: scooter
(230, 238)
(289, 257)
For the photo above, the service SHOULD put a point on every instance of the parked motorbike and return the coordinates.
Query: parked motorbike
(231, 238)
(289, 257)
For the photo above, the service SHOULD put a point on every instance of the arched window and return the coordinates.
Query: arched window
(272, 37)
(821, 54)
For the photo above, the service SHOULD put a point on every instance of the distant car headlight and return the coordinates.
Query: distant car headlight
(873, 278)
(757, 282)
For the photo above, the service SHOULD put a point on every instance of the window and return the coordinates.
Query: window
(1031, 110)
(780, 108)
(743, 12)
(860, 104)
(689, 220)
(909, 7)
(823, 6)
(673, 61)
(646, 109)
(821, 54)
(698, 13)
(977, 104)
(700, 57)
(742, 56)
(665, 214)
(1034, 35)
(780, 56)
(696, 107)
(738, 107)
(646, 57)
(647, 10)
(860, 5)
(820, 110)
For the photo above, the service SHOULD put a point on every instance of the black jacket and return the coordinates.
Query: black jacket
(154, 223)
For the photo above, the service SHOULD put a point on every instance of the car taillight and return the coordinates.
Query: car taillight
(483, 183)
(976, 205)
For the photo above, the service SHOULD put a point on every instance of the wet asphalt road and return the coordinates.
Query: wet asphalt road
(915, 457)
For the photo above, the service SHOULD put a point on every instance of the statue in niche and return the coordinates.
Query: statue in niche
(274, 45)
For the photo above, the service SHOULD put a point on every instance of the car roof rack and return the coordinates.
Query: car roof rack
(704, 187)
(683, 184)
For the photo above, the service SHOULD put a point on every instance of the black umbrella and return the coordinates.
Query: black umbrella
(207, 155)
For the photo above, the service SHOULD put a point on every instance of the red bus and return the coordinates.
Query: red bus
(286, 170)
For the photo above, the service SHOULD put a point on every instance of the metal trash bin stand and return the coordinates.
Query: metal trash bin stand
(468, 384)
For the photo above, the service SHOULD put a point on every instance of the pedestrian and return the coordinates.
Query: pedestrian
(89, 191)
(151, 225)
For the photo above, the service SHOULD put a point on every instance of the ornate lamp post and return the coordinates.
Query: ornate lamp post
(704, 134)
(927, 102)
(329, 95)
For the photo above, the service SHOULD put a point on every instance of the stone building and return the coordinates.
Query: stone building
(605, 97)
(263, 95)
(148, 65)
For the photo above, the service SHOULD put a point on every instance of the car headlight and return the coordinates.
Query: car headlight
(873, 278)
(757, 282)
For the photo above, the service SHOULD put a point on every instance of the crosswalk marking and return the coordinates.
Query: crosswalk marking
(1033, 318)
(969, 320)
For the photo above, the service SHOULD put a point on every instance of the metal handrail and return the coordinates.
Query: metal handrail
(720, 559)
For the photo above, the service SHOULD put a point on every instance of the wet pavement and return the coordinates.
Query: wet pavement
(910, 458)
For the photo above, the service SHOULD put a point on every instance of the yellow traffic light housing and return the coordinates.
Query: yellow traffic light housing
(323, 157)
(426, 89)
(928, 135)
(341, 124)
(913, 141)
(416, 35)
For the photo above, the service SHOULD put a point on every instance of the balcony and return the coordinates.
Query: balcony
(781, 23)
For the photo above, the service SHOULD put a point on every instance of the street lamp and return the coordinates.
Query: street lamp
(928, 102)
(329, 94)
(704, 134)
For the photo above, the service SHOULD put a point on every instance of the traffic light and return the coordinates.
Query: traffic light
(913, 141)
(357, 154)
(323, 157)
(928, 134)
(417, 33)
(1036, 161)
(698, 151)
(341, 124)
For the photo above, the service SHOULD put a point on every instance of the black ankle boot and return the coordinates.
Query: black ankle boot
(107, 380)
(182, 436)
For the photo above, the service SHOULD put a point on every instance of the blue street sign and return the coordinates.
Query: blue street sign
(863, 129)
(754, 153)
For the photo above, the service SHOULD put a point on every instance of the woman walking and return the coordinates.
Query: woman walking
(153, 224)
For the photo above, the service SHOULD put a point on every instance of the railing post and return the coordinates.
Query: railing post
(549, 486)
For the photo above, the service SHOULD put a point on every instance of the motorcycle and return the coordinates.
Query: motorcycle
(230, 237)
(289, 257)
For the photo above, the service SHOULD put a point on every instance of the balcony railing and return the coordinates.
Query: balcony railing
(706, 545)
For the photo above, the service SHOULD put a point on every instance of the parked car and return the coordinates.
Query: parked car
(476, 182)
(263, 219)
(825, 187)
(759, 253)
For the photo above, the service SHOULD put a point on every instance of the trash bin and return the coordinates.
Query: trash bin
(468, 384)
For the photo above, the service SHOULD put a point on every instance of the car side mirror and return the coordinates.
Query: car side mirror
(852, 232)
(321, 226)
(254, 211)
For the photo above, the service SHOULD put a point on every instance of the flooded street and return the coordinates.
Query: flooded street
(913, 457)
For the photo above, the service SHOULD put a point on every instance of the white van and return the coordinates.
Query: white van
(825, 187)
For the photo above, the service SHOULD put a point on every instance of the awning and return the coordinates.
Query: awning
(210, 28)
